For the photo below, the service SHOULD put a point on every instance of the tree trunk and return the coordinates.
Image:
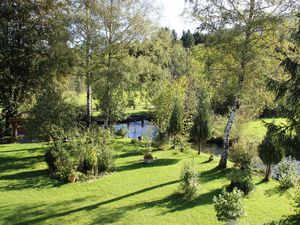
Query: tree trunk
(268, 172)
(199, 148)
(88, 72)
(89, 102)
(224, 155)
(174, 142)
(7, 124)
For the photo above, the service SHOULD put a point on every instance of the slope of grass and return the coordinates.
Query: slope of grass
(134, 194)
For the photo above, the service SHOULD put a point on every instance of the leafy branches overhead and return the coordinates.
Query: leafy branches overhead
(31, 35)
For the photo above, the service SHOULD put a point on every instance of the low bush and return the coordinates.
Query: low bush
(242, 180)
(189, 181)
(229, 206)
(287, 173)
(85, 152)
(243, 153)
(61, 162)
(122, 132)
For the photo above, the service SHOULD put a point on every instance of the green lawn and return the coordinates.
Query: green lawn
(256, 130)
(135, 194)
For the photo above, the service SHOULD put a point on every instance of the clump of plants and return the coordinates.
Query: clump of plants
(242, 180)
(243, 153)
(148, 157)
(122, 132)
(229, 205)
(287, 173)
(84, 156)
(189, 181)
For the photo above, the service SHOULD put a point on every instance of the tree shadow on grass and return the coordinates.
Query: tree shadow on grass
(275, 191)
(175, 201)
(289, 220)
(109, 217)
(36, 150)
(10, 163)
(36, 213)
(130, 154)
(169, 204)
(141, 164)
(213, 174)
(29, 179)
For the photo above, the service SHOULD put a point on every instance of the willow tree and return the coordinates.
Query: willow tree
(242, 30)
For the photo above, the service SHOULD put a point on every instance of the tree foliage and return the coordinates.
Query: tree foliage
(270, 150)
(33, 47)
(201, 129)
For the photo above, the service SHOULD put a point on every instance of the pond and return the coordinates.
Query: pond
(139, 129)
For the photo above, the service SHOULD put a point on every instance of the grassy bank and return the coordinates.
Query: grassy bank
(134, 194)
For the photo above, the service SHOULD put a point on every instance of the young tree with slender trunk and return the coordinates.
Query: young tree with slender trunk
(201, 129)
(270, 151)
(175, 122)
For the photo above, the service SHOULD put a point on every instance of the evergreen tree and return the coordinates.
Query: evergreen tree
(187, 39)
(270, 151)
(174, 36)
(288, 92)
(201, 129)
(175, 122)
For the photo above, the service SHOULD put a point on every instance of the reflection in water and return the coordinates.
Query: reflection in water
(139, 129)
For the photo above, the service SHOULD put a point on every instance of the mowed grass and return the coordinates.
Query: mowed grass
(134, 194)
(256, 130)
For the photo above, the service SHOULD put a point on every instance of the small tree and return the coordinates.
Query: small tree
(189, 181)
(175, 122)
(229, 206)
(270, 151)
(201, 129)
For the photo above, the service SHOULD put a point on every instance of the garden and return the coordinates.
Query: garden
(108, 117)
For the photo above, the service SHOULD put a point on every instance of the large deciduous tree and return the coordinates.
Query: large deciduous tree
(33, 47)
(242, 30)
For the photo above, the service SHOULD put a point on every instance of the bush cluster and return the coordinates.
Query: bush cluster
(243, 153)
(287, 173)
(122, 132)
(242, 180)
(86, 152)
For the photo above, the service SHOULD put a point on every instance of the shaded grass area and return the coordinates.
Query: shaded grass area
(134, 194)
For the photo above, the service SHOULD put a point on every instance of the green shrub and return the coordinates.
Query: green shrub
(229, 206)
(243, 153)
(287, 173)
(189, 181)
(122, 132)
(133, 141)
(86, 152)
(105, 160)
(60, 160)
(242, 180)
